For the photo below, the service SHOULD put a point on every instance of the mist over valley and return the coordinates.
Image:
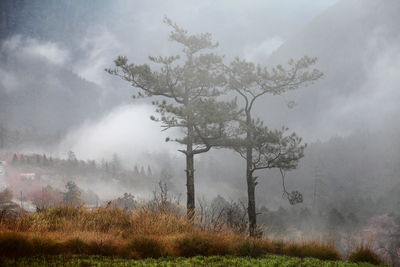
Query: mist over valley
(204, 134)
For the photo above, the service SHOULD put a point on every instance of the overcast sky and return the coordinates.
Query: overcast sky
(249, 29)
(359, 92)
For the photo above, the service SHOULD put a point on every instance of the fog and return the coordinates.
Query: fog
(126, 130)
(55, 97)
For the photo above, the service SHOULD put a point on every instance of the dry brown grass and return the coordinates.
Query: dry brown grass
(142, 233)
(364, 253)
(102, 221)
(147, 222)
(323, 251)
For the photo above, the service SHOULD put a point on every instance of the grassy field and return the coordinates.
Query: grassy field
(269, 260)
(166, 236)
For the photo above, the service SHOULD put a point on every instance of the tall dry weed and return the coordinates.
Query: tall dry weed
(144, 232)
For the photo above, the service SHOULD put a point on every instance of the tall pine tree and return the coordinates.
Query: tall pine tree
(190, 85)
(260, 147)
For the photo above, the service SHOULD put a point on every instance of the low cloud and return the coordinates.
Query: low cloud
(374, 105)
(100, 48)
(260, 51)
(48, 51)
(126, 131)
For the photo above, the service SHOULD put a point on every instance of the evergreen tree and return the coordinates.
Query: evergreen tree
(136, 170)
(189, 84)
(260, 147)
(51, 162)
(72, 197)
(149, 172)
(38, 161)
(14, 160)
(116, 165)
(45, 161)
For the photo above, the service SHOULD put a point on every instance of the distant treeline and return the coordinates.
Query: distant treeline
(72, 169)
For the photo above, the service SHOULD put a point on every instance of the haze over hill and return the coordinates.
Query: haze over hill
(52, 79)
(356, 43)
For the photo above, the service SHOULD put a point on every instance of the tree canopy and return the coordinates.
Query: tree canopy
(189, 84)
(261, 147)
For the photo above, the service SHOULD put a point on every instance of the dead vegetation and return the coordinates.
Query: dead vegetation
(144, 232)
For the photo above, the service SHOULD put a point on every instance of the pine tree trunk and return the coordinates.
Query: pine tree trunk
(190, 175)
(251, 187)
(190, 186)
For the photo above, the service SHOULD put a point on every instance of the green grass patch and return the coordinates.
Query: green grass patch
(268, 261)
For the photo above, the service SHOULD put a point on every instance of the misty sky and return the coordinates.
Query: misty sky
(356, 42)
(254, 30)
(247, 29)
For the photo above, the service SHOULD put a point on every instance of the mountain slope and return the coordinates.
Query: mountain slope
(355, 42)
(37, 95)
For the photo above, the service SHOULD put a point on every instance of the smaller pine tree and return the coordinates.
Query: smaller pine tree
(73, 195)
(149, 172)
(14, 160)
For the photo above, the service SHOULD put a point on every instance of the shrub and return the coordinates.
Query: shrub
(277, 246)
(103, 248)
(148, 222)
(42, 246)
(76, 246)
(144, 247)
(312, 249)
(61, 212)
(13, 245)
(22, 223)
(54, 219)
(365, 254)
(193, 245)
(220, 244)
(202, 244)
(105, 219)
(254, 248)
